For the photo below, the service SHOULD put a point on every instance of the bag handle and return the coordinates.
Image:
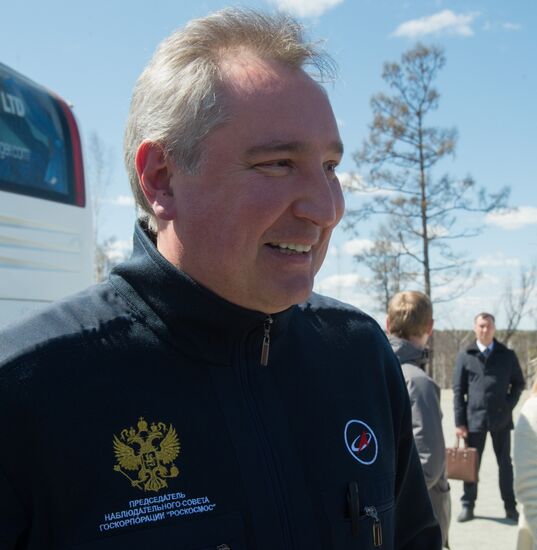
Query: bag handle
(458, 440)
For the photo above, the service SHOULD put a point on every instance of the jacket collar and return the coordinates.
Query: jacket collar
(472, 348)
(188, 315)
(408, 353)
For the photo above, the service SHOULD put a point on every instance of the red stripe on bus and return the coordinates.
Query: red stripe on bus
(80, 189)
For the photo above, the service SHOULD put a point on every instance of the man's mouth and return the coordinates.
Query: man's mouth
(291, 248)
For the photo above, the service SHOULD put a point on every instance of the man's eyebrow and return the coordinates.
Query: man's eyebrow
(289, 146)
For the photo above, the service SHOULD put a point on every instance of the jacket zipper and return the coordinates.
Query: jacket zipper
(262, 437)
(353, 503)
(265, 347)
(371, 512)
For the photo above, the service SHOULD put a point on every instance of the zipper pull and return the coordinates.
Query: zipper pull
(353, 500)
(266, 341)
(371, 511)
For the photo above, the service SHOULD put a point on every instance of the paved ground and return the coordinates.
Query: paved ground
(490, 530)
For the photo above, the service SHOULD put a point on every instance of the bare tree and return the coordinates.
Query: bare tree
(387, 265)
(99, 171)
(399, 157)
(517, 303)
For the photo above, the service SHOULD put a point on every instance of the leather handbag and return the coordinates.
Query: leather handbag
(461, 463)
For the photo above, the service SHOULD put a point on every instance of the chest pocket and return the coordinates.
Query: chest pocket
(361, 514)
(225, 532)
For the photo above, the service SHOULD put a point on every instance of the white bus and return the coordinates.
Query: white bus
(46, 244)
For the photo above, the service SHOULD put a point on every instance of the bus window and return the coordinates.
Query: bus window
(39, 142)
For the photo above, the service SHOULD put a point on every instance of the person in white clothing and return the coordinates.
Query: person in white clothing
(525, 461)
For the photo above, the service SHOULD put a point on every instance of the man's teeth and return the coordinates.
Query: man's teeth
(290, 248)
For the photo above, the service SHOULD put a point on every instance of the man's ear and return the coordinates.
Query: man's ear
(431, 326)
(155, 171)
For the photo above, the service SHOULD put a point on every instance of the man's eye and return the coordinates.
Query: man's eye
(275, 167)
(330, 167)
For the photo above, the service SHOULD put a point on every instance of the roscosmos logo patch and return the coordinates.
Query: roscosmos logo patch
(361, 442)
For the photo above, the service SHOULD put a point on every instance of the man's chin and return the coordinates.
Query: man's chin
(284, 298)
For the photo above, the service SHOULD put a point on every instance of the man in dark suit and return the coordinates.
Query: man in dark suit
(487, 384)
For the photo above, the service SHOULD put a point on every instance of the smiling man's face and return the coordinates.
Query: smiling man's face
(253, 224)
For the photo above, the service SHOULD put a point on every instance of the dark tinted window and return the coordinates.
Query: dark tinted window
(35, 145)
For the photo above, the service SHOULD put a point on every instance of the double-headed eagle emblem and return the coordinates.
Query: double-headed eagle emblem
(151, 450)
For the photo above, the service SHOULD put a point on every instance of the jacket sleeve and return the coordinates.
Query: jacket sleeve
(517, 383)
(460, 389)
(525, 460)
(13, 518)
(427, 428)
(416, 528)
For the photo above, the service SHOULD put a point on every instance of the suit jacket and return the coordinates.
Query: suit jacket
(485, 391)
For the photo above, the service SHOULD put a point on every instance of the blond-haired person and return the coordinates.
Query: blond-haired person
(409, 324)
(525, 459)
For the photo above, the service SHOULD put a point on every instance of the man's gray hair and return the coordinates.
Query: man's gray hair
(177, 99)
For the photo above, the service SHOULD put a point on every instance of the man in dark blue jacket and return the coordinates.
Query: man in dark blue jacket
(203, 397)
(487, 384)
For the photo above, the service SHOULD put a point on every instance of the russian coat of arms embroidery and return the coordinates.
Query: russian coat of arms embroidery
(149, 450)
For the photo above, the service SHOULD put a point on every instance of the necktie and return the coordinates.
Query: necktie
(486, 352)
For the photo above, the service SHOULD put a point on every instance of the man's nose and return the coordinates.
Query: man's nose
(321, 200)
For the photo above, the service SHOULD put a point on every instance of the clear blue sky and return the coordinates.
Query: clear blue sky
(92, 52)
